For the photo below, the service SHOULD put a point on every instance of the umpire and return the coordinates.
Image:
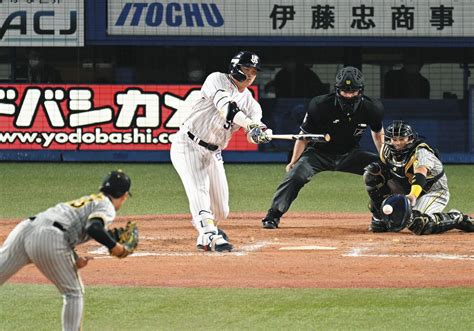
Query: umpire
(345, 115)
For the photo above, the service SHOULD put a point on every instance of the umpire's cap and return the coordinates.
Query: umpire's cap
(116, 184)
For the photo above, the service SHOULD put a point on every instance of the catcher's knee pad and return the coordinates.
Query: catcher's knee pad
(431, 224)
(373, 175)
(420, 223)
(376, 179)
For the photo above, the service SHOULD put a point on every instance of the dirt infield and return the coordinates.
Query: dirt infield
(309, 250)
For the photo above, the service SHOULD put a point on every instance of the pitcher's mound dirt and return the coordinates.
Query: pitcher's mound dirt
(327, 250)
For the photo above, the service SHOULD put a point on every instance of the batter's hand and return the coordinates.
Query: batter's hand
(82, 261)
(259, 134)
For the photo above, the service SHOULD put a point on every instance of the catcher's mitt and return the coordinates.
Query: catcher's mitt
(127, 237)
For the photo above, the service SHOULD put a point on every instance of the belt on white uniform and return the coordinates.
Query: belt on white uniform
(55, 224)
(204, 144)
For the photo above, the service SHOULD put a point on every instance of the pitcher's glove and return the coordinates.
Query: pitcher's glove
(127, 237)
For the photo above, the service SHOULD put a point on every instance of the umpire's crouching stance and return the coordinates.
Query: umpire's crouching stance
(345, 115)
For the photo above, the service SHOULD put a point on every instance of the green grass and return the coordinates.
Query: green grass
(157, 189)
(27, 188)
(109, 308)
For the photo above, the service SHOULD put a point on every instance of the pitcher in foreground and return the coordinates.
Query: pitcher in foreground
(49, 238)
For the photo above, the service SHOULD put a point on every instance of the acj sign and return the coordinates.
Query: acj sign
(42, 23)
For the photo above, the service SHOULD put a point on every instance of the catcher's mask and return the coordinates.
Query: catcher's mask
(400, 215)
(349, 79)
(400, 129)
(116, 184)
(243, 59)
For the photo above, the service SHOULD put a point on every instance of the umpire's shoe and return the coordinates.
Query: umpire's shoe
(272, 220)
(270, 223)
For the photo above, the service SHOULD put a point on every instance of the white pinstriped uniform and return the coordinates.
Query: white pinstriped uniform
(437, 198)
(201, 170)
(38, 241)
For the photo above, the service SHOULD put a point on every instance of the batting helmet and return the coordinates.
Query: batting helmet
(243, 59)
(400, 129)
(401, 212)
(116, 184)
(349, 79)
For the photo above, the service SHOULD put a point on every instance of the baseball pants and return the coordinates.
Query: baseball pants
(44, 245)
(203, 175)
(313, 162)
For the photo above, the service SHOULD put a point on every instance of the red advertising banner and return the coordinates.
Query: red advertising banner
(97, 117)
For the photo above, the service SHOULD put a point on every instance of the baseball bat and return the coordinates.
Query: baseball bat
(322, 138)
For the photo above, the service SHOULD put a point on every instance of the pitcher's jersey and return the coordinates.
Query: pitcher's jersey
(205, 121)
(73, 216)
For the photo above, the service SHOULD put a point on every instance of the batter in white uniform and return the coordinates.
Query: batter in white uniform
(49, 238)
(225, 106)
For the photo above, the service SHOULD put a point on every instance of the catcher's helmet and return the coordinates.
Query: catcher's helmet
(349, 79)
(116, 184)
(401, 214)
(400, 129)
(243, 59)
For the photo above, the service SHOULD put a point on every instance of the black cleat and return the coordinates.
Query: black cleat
(270, 223)
(466, 224)
(272, 219)
(223, 234)
(217, 248)
(218, 243)
(223, 248)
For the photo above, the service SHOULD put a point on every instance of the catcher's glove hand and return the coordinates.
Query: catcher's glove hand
(127, 237)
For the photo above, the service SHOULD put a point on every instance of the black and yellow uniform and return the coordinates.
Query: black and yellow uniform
(396, 173)
(402, 172)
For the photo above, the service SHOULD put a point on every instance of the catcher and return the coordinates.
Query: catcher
(49, 239)
(411, 169)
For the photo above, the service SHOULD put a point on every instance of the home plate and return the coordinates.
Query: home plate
(307, 248)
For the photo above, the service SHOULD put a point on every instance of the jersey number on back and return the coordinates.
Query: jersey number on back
(81, 202)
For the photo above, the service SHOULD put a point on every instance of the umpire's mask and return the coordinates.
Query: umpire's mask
(351, 81)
